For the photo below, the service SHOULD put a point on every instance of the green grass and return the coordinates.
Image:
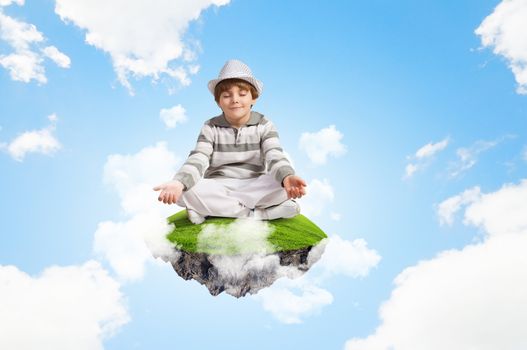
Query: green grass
(287, 234)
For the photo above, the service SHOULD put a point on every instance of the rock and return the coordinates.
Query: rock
(238, 275)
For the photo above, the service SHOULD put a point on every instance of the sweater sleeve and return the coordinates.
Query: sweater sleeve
(198, 160)
(275, 160)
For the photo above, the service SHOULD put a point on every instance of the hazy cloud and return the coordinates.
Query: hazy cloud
(335, 216)
(423, 155)
(468, 156)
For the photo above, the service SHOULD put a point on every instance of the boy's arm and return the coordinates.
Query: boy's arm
(277, 163)
(198, 160)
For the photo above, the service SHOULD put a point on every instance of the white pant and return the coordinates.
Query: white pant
(233, 197)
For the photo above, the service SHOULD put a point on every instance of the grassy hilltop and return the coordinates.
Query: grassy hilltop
(287, 234)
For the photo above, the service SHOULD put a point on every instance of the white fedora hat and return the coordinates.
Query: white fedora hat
(239, 70)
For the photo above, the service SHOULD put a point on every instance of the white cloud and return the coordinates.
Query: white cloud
(292, 299)
(37, 141)
(501, 212)
(25, 63)
(24, 67)
(128, 245)
(58, 57)
(422, 155)
(19, 35)
(173, 116)
(430, 149)
(193, 69)
(318, 195)
(142, 38)
(505, 30)
(148, 166)
(473, 298)
(73, 307)
(449, 207)
(9, 2)
(244, 235)
(322, 144)
(349, 258)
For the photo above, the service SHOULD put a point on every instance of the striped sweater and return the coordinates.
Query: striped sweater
(222, 151)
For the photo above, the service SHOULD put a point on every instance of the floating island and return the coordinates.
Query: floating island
(240, 256)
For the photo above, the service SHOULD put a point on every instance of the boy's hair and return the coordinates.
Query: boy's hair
(226, 84)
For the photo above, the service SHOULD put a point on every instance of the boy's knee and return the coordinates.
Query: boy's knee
(203, 185)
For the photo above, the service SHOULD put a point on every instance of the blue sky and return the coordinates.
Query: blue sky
(420, 121)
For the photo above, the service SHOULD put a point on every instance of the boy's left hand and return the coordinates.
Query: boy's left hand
(294, 186)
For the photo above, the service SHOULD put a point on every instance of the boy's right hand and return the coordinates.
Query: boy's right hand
(170, 191)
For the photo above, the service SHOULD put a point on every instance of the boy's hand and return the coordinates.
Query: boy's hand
(294, 186)
(170, 191)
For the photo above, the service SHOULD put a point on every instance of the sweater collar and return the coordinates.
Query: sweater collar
(220, 120)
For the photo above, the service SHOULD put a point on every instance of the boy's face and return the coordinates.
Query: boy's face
(236, 105)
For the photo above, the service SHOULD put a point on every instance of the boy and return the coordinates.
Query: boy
(238, 168)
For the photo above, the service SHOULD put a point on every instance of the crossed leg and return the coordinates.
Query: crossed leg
(237, 198)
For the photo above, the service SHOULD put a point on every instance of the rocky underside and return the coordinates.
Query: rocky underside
(238, 275)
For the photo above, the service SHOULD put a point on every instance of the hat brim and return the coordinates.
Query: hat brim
(258, 85)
